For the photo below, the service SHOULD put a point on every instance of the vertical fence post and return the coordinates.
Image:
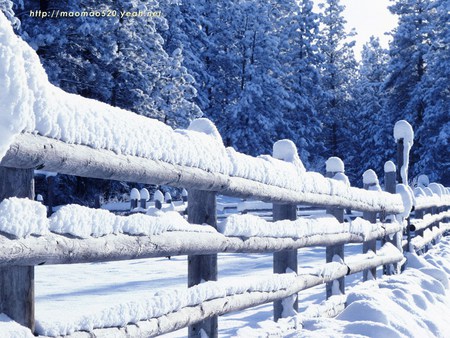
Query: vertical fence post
(98, 201)
(134, 198)
(50, 194)
(334, 165)
(17, 282)
(158, 197)
(389, 186)
(202, 209)
(404, 136)
(286, 259)
(145, 196)
(370, 180)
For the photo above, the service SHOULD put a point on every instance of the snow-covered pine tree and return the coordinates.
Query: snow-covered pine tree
(255, 113)
(338, 71)
(407, 67)
(377, 141)
(298, 27)
(117, 60)
(434, 130)
(188, 29)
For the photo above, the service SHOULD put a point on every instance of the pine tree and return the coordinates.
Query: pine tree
(407, 68)
(377, 144)
(435, 85)
(338, 71)
(300, 58)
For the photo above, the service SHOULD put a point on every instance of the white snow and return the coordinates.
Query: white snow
(10, 329)
(286, 150)
(389, 167)
(342, 177)
(160, 303)
(134, 194)
(415, 303)
(23, 217)
(203, 125)
(403, 130)
(407, 198)
(145, 195)
(248, 225)
(158, 196)
(85, 222)
(423, 181)
(370, 177)
(436, 189)
(167, 197)
(334, 165)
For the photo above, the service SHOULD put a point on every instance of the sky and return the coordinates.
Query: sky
(368, 17)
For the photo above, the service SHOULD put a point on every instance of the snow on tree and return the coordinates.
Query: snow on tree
(435, 128)
(120, 61)
(407, 67)
(117, 60)
(7, 6)
(377, 144)
(300, 59)
(338, 71)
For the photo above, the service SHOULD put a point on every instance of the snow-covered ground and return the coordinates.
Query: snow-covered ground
(413, 304)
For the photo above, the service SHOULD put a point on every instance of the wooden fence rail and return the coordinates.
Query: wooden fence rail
(19, 256)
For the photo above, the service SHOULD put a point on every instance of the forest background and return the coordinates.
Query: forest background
(260, 70)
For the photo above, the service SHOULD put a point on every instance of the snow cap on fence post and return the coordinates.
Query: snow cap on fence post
(423, 181)
(184, 195)
(334, 165)
(134, 198)
(39, 198)
(167, 197)
(286, 150)
(370, 180)
(204, 125)
(145, 196)
(404, 136)
(158, 197)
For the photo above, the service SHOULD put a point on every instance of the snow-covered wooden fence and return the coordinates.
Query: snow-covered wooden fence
(101, 141)
(385, 217)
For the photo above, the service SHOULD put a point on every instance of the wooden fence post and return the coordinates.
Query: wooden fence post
(184, 195)
(389, 186)
(50, 194)
(17, 282)
(370, 179)
(134, 198)
(145, 196)
(158, 197)
(286, 259)
(98, 201)
(202, 209)
(334, 165)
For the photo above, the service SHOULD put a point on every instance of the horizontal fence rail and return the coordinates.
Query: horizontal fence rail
(60, 249)
(37, 152)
